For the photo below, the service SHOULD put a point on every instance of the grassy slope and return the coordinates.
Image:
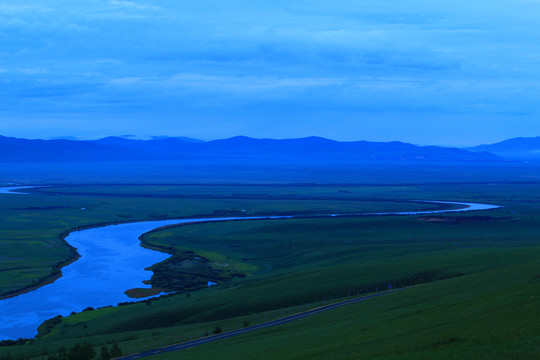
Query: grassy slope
(488, 315)
(323, 263)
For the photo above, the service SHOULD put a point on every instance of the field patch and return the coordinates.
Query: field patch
(138, 293)
(463, 219)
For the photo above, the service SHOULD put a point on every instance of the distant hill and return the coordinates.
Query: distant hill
(516, 148)
(239, 149)
(13, 149)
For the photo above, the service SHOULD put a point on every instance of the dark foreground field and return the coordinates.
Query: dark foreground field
(480, 274)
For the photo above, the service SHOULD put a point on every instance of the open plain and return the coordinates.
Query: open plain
(479, 270)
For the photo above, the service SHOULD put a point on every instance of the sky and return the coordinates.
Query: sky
(453, 73)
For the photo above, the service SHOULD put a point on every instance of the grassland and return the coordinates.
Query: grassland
(471, 317)
(479, 299)
(31, 246)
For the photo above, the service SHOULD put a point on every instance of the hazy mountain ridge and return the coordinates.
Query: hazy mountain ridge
(516, 148)
(239, 147)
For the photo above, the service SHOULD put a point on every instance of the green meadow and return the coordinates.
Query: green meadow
(477, 272)
(31, 246)
(487, 315)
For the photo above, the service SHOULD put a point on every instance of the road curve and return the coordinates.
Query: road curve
(228, 334)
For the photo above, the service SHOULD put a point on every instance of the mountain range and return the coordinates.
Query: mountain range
(241, 148)
(238, 148)
(522, 148)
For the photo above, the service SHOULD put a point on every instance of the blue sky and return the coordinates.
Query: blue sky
(451, 73)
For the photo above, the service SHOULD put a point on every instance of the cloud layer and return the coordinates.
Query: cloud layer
(454, 74)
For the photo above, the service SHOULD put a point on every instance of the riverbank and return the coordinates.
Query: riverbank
(57, 268)
(109, 251)
(55, 274)
(312, 260)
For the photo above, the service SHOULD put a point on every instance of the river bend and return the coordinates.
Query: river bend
(112, 261)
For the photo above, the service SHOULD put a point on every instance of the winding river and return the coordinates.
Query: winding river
(111, 262)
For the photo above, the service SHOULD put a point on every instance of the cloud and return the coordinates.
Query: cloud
(131, 4)
(260, 61)
(32, 71)
(6, 8)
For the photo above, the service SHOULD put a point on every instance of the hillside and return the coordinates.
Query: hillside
(516, 148)
(238, 149)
